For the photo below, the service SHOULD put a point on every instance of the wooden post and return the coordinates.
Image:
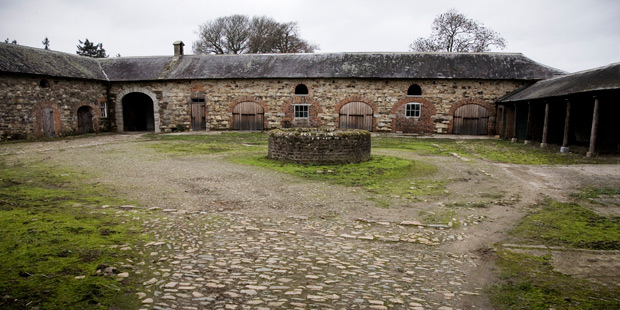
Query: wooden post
(504, 122)
(545, 126)
(594, 129)
(529, 124)
(564, 148)
(514, 127)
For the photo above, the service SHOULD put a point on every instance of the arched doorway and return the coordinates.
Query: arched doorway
(471, 119)
(356, 115)
(138, 112)
(248, 116)
(85, 116)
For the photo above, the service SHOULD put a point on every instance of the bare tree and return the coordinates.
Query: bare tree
(238, 34)
(454, 32)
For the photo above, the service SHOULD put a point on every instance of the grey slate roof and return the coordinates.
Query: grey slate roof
(337, 65)
(22, 59)
(599, 79)
(19, 59)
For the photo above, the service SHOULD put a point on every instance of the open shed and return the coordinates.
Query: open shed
(579, 109)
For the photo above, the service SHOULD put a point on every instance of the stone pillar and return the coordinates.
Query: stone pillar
(545, 126)
(514, 127)
(564, 148)
(594, 129)
(529, 124)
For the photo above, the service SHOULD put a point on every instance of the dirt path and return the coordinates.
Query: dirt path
(288, 243)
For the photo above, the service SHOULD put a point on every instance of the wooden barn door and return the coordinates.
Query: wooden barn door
(471, 119)
(47, 122)
(356, 115)
(85, 120)
(248, 116)
(199, 121)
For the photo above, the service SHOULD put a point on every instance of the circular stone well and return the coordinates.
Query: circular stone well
(319, 146)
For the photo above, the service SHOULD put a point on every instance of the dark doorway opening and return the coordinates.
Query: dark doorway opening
(138, 112)
(85, 116)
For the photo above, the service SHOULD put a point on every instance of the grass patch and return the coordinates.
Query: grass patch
(569, 225)
(489, 149)
(51, 232)
(529, 282)
(209, 144)
(384, 175)
(593, 193)
(495, 150)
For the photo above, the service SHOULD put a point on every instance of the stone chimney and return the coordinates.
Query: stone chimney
(178, 48)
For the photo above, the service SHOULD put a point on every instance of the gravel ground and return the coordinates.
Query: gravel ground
(237, 237)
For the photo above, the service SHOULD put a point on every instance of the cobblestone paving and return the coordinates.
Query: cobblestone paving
(230, 261)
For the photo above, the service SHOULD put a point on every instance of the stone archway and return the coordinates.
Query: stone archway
(152, 121)
(138, 112)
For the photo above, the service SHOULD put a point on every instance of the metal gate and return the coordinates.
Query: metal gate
(199, 121)
(356, 115)
(248, 116)
(471, 119)
(47, 122)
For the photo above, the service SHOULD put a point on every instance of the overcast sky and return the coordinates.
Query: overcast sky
(566, 34)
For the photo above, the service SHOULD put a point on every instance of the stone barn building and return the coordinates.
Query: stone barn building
(46, 93)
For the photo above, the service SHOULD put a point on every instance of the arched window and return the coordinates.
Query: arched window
(44, 83)
(301, 89)
(414, 90)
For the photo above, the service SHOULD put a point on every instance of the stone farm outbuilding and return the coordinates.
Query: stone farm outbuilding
(579, 109)
(46, 93)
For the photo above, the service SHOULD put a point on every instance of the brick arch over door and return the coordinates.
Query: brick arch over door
(80, 124)
(471, 108)
(356, 112)
(47, 120)
(119, 106)
(313, 120)
(248, 113)
(422, 124)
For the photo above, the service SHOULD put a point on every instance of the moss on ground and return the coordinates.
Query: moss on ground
(52, 231)
(383, 175)
(569, 225)
(529, 283)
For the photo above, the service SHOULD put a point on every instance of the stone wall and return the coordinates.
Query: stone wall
(308, 146)
(438, 98)
(24, 98)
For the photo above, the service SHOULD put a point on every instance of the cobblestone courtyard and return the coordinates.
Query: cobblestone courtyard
(227, 236)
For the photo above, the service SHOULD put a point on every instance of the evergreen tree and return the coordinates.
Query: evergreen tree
(46, 43)
(91, 49)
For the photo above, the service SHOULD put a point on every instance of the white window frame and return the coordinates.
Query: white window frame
(307, 111)
(103, 107)
(411, 111)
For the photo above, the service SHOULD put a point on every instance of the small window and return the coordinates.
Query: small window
(198, 100)
(301, 111)
(44, 83)
(412, 110)
(301, 89)
(103, 106)
(414, 90)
